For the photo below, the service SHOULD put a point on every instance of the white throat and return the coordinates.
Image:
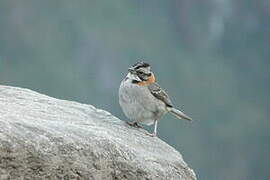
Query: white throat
(133, 77)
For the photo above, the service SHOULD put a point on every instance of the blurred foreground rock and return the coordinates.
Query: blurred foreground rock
(46, 138)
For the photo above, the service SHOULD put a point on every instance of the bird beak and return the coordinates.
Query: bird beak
(131, 70)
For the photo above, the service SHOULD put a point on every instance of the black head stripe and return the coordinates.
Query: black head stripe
(140, 64)
(135, 81)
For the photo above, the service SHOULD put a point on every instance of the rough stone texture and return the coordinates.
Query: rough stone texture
(46, 138)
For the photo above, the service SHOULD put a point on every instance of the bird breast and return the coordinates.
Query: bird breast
(139, 104)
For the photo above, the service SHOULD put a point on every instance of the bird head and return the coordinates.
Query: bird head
(141, 73)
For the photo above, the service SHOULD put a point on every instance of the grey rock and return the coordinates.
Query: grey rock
(46, 138)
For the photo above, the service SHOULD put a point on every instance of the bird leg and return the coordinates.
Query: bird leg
(154, 134)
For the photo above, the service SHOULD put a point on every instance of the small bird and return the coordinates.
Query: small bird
(143, 100)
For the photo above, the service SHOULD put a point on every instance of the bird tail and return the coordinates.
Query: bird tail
(179, 114)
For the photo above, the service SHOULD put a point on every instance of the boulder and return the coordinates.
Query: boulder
(46, 138)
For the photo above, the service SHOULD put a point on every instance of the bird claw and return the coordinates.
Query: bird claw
(134, 124)
(151, 134)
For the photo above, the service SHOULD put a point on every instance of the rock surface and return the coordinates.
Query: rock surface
(46, 138)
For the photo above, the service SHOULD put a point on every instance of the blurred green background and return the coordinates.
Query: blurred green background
(211, 56)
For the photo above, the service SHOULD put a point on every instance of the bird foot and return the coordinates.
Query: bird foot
(151, 134)
(134, 124)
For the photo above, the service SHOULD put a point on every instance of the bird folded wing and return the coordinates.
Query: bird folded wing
(160, 94)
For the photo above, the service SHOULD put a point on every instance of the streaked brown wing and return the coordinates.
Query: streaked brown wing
(160, 94)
